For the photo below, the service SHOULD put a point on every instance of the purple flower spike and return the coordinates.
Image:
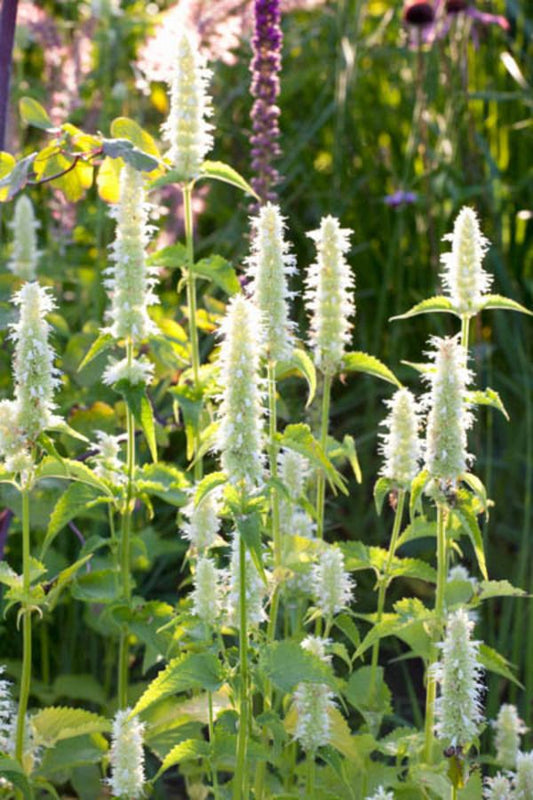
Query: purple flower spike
(265, 68)
(400, 198)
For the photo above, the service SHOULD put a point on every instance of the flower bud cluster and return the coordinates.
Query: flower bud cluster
(293, 471)
(203, 523)
(186, 129)
(241, 411)
(313, 703)
(269, 266)
(7, 715)
(449, 417)
(129, 280)
(401, 446)
(458, 708)
(107, 464)
(255, 589)
(24, 254)
(127, 757)
(463, 276)
(329, 289)
(498, 788)
(332, 585)
(509, 728)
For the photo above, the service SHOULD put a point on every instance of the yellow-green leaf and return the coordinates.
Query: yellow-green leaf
(34, 114)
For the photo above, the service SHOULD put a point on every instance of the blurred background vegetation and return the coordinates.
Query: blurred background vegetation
(387, 126)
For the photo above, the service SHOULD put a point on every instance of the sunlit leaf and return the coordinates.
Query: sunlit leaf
(440, 304)
(363, 362)
(218, 171)
(32, 113)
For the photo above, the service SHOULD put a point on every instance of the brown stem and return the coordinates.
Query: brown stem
(8, 19)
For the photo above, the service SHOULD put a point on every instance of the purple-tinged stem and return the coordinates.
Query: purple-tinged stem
(8, 19)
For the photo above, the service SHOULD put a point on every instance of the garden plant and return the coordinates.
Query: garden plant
(262, 533)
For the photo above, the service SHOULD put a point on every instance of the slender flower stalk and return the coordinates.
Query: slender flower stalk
(509, 728)
(24, 254)
(265, 67)
(127, 757)
(329, 286)
(458, 708)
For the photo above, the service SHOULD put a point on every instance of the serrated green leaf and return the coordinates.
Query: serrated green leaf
(69, 753)
(7, 165)
(300, 439)
(191, 403)
(51, 725)
(104, 342)
(11, 771)
(138, 403)
(417, 487)
(497, 301)
(370, 365)
(489, 589)
(419, 528)
(494, 662)
(32, 113)
(477, 487)
(219, 171)
(488, 397)
(191, 671)
(64, 427)
(302, 364)
(62, 580)
(124, 149)
(346, 624)
(413, 568)
(249, 527)
(439, 303)
(67, 507)
(72, 471)
(173, 257)
(220, 271)
(164, 481)
(98, 586)
(373, 702)
(125, 128)
(382, 487)
(17, 178)
(185, 751)
(286, 664)
(208, 485)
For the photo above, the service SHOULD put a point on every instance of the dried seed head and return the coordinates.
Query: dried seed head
(463, 276)
(186, 129)
(458, 708)
(329, 290)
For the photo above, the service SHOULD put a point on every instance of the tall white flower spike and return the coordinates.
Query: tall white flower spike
(509, 728)
(205, 596)
(313, 703)
(186, 130)
(332, 585)
(127, 757)
(202, 523)
(269, 266)
(24, 254)
(463, 276)
(241, 412)
(401, 446)
(458, 709)
(524, 777)
(329, 292)
(449, 418)
(255, 589)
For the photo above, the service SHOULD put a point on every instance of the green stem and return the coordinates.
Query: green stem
(431, 684)
(310, 781)
(454, 792)
(214, 774)
(273, 456)
(239, 786)
(125, 549)
(384, 582)
(191, 303)
(25, 682)
(465, 331)
(321, 482)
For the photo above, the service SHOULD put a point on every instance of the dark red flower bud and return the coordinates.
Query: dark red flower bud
(418, 12)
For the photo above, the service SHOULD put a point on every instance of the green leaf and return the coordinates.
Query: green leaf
(488, 397)
(477, 487)
(286, 664)
(104, 342)
(70, 470)
(173, 257)
(15, 180)
(419, 528)
(141, 408)
(497, 301)
(34, 114)
(98, 586)
(208, 485)
(301, 363)
(417, 487)
(67, 507)
(185, 751)
(125, 128)
(494, 662)
(13, 772)
(219, 171)
(348, 446)
(413, 568)
(382, 487)
(191, 404)
(124, 149)
(499, 589)
(249, 527)
(439, 303)
(7, 165)
(373, 702)
(69, 753)
(468, 519)
(51, 725)
(164, 481)
(300, 439)
(362, 362)
(64, 427)
(191, 671)
(62, 580)
(220, 271)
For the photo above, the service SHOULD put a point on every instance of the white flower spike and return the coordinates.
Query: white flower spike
(269, 266)
(202, 523)
(463, 276)
(524, 777)
(127, 757)
(329, 292)
(332, 585)
(255, 590)
(498, 788)
(24, 254)
(206, 593)
(509, 728)
(401, 446)
(186, 130)
(313, 703)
